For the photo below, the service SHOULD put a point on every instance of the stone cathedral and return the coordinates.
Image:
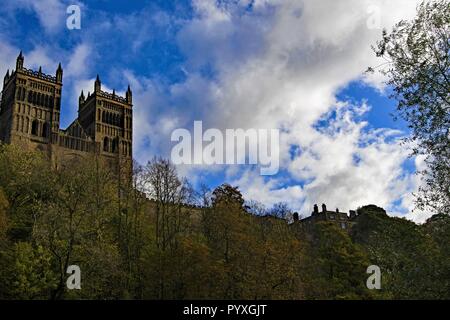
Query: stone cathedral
(30, 111)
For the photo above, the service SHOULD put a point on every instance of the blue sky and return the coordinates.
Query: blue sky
(297, 65)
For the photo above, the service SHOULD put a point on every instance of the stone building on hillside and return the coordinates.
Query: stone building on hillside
(342, 219)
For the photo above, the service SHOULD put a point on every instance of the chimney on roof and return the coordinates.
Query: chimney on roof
(316, 209)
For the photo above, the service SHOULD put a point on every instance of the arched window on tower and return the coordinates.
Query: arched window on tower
(45, 130)
(115, 148)
(106, 144)
(34, 127)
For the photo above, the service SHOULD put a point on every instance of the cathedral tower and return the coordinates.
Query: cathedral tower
(30, 116)
(107, 119)
(30, 106)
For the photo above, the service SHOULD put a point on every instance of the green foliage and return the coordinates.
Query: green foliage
(408, 256)
(339, 265)
(438, 227)
(417, 55)
(27, 184)
(3, 217)
(29, 273)
(129, 246)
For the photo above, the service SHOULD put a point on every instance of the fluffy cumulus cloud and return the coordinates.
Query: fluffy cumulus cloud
(257, 64)
(50, 13)
(280, 64)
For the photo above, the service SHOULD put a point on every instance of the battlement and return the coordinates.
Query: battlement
(38, 74)
(99, 93)
(112, 96)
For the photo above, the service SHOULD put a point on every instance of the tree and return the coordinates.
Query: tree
(30, 272)
(256, 208)
(3, 217)
(338, 266)
(28, 185)
(438, 227)
(227, 195)
(280, 210)
(78, 225)
(417, 67)
(171, 196)
(170, 193)
(409, 259)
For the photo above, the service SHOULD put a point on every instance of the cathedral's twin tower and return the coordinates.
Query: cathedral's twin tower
(30, 111)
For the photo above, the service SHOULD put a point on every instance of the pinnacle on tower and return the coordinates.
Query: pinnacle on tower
(129, 95)
(6, 77)
(98, 84)
(81, 99)
(59, 73)
(19, 61)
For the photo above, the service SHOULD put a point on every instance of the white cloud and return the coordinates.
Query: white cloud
(281, 66)
(40, 56)
(79, 61)
(51, 13)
